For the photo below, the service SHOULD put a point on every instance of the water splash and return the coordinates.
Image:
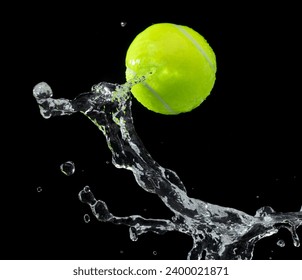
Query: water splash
(217, 232)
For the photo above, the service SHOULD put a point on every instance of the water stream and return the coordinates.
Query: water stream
(217, 232)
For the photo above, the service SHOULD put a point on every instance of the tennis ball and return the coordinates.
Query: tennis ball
(178, 64)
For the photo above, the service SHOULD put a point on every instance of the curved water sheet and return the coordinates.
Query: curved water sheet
(217, 232)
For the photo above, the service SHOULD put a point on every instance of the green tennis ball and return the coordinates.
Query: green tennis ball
(178, 64)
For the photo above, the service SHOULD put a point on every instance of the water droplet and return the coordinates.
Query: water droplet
(257, 196)
(67, 168)
(295, 236)
(133, 234)
(123, 24)
(42, 90)
(154, 253)
(86, 218)
(121, 252)
(281, 243)
(39, 189)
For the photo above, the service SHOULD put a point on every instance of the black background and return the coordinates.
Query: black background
(241, 148)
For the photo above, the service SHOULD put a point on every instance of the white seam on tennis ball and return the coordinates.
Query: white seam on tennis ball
(166, 105)
(155, 94)
(183, 31)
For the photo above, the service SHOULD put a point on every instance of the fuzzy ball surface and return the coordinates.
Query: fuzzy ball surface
(178, 64)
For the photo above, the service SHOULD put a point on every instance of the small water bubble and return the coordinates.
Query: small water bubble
(107, 161)
(86, 218)
(123, 23)
(67, 168)
(39, 189)
(257, 196)
(86, 189)
(154, 253)
(281, 243)
(121, 252)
